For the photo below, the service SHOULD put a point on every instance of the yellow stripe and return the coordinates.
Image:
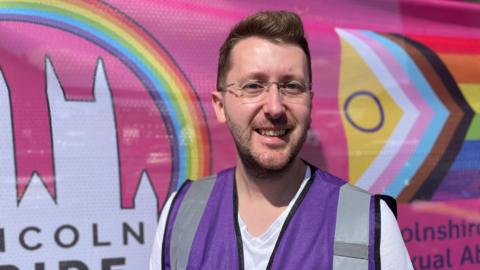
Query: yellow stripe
(471, 92)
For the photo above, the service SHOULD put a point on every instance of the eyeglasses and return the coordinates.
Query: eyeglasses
(252, 91)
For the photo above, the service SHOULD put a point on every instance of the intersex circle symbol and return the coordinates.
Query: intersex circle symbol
(372, 96)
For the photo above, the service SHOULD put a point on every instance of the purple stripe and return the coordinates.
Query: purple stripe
(311, 229)
(171, 221)
(215, 244)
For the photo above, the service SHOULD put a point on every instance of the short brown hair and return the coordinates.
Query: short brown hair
(276, 26)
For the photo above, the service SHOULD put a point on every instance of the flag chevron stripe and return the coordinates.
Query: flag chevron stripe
(433, 128)
(441, 113)
(393, 58)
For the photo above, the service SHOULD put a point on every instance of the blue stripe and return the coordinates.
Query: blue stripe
(469, 156)
(440, 114)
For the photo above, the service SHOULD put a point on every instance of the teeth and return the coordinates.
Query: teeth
(272, 132)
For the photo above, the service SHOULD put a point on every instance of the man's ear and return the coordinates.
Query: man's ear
(218, 105)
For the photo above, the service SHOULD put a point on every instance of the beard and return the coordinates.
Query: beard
(262, 165)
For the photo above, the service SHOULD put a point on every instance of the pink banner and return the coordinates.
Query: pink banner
(105, 110)
(442, 235)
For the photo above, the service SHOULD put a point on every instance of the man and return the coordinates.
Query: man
(273, 210)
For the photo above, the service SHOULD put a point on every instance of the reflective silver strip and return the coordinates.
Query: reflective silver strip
(188, 219)
(352, 229)
(346, 263)
(357, 251)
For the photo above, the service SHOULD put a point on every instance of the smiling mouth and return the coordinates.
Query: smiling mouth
(275, 132)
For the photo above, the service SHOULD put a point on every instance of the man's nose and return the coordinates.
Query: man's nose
(273, 105)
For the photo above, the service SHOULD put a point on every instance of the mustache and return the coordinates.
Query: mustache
(280, 122)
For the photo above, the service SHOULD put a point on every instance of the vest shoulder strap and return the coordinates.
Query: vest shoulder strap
(188, 219)
(352, 229)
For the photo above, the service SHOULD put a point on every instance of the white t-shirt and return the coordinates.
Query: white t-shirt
(257, 250)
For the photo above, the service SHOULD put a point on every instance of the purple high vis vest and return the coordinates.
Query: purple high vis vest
(332, 225)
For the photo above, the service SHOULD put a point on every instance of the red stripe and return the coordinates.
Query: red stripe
(449, 45)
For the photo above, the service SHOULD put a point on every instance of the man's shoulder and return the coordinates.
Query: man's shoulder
(208, 178)
(352, 189)
(201, 187)
(337, 181)
(213, 177)
(206, 183)
(327, 177)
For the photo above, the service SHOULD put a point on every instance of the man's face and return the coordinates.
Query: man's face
(268, 133)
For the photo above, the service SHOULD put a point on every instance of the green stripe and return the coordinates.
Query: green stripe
(473, 133)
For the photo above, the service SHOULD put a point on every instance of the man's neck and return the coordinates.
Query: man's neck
(262, 200)
(277, 189)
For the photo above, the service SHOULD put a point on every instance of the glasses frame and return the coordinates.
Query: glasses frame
(241, 93)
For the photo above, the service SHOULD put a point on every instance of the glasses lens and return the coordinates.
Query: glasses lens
(253, 91)
(302, 97)
(298, 98)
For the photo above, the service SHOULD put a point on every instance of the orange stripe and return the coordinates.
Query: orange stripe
(462, 67)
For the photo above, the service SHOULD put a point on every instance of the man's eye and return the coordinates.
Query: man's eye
(293, 86)
(252, 86)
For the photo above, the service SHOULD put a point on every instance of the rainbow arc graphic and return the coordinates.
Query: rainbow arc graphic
(146, 58)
